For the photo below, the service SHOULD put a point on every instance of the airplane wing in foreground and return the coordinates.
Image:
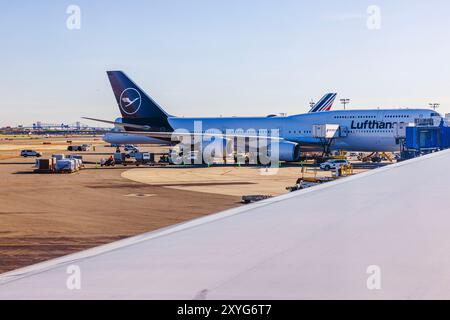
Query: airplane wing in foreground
(383, 234)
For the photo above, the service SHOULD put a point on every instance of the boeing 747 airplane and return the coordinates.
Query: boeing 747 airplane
(146, 122)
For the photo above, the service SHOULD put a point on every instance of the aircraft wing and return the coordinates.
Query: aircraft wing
(121, 124)
(178, 134)
(383, 234)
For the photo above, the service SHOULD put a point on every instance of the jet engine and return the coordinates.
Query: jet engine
(289, 151)
(275, 152)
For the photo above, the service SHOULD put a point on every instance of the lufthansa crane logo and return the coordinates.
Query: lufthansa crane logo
(130, 101)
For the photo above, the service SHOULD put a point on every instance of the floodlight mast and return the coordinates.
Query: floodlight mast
(345, 102)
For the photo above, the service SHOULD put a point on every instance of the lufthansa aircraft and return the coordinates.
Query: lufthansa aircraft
(145, 122)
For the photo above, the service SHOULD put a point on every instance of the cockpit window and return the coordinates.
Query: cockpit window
(435, 114)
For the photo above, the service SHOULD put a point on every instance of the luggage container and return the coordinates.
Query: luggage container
(144, 158)
(75, 156)
(59, 156)
(66, 165)
(45, 165)
(78, 164)
(119, 158)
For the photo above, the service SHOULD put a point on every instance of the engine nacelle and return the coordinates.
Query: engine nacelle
(119, 138)
(271, 153)
(289, 151)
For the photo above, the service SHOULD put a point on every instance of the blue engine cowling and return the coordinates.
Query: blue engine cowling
(289, 151)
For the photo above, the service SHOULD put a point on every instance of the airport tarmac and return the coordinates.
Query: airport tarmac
(47, 216)
(10, 146)
(225, 180)
(44, 216)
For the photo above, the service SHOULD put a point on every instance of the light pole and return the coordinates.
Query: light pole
(434, 105)
(345, 102)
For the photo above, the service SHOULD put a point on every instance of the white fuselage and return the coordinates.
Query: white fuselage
(367, 130)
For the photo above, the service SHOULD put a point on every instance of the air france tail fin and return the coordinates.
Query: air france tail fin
(325, 103)
(134, 104)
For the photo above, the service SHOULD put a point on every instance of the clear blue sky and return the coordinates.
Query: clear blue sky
(211, 57)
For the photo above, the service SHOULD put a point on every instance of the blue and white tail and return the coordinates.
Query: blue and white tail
(324, 104)
(135, 105)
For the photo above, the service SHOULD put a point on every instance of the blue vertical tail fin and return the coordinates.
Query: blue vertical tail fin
(135, 105)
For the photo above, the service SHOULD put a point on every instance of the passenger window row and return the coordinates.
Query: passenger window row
(396, 116)
(355, 117)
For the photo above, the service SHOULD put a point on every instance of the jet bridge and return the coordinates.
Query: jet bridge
(327, 133)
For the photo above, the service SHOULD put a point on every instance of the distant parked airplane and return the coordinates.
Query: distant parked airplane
(324, 104)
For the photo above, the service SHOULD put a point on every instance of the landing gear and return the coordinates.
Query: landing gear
(326, 144)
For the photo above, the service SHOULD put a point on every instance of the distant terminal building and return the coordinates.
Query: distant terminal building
(46, 128)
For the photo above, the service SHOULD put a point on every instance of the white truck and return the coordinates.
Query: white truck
(333, 164)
